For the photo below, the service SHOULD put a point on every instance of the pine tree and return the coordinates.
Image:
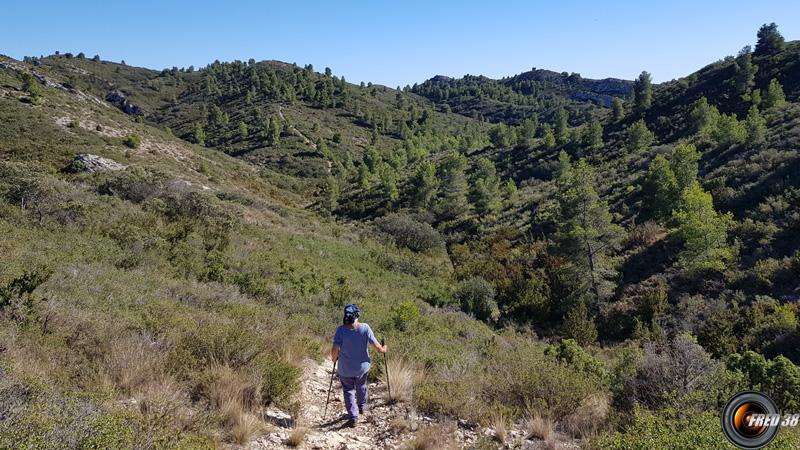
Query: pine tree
(639, 137)
(684, 164)
(549, 138)
(486, 187)
(273, 132)
(755, 97)
(593, 135)
(502, 136)
(774, 97)
(643, 92)
(586, 236)
(756, 127)
(661, 188)
(453, 190)
(32, 87)
(561, 125)
(425, 184)
(704, 117)
(617, 110)
(243, 132)
(388, 177)
(527, 130)
(322, 148)
(769, 41)
(330, 194)
(744, 80)
(364, 177)
(729, 131)
(579, 326)
(510, 191)
(199, 134)
(703, 231)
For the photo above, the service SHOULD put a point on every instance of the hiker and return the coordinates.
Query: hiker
(350, 348)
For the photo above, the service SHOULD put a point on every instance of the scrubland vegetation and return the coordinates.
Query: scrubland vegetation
(613, 270)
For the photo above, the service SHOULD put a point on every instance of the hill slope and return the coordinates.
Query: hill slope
(591, 261)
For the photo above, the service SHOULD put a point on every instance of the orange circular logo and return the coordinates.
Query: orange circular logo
(750, 420)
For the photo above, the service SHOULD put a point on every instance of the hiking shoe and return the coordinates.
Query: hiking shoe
(350, 423)
(361, 409)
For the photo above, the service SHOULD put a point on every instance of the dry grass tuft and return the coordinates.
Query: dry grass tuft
(245, 427)
(167, 399)
(235, 395)
(589, 419)
(297, 436)
(434, 437)
(540, 427)
(227, 388)
(133, 361)
(399, 424)
(403, 376)
(499, 423)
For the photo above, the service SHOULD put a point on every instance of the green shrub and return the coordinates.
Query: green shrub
(524, 378)
(134, 184)
(342, 293)
(279, 379)
(671, 429)
(778, 377)
(573, 354)
(409, 263)
(132, 141)
(409, 233)
(579, 326)
(476, 297)
(219, 343)
(404, 315)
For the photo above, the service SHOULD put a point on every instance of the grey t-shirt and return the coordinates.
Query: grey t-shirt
(354, 354)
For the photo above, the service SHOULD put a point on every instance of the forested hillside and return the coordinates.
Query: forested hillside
(177, 244)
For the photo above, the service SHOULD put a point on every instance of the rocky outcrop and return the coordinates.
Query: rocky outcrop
(118, 98)
(92, 163)
(12, 65)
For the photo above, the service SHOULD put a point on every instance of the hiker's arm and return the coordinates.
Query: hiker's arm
(374, 341)
(380, 348)
(334, 352)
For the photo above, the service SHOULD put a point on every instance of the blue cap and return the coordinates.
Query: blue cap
(351, 313)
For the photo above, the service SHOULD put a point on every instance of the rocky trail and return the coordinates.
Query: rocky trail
(383, 426)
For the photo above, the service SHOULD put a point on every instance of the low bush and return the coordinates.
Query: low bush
(678, 428)
(134, 184)
(573, 354)
(132, 141)
(406, 232)
(404, 315)
(476, 297)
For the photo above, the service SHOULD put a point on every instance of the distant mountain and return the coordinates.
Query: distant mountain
(534, 93)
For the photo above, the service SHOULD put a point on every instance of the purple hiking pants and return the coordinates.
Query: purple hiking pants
(355, 394)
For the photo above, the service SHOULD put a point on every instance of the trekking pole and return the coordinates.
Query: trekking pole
(330, 386)
(386, 367)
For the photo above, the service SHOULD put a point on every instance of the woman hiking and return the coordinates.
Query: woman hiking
(350, 349)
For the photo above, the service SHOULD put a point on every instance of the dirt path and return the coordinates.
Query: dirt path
(382, 426)
(374, 429)
(295, 131)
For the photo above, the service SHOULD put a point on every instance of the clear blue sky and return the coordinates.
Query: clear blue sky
(398, 43)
